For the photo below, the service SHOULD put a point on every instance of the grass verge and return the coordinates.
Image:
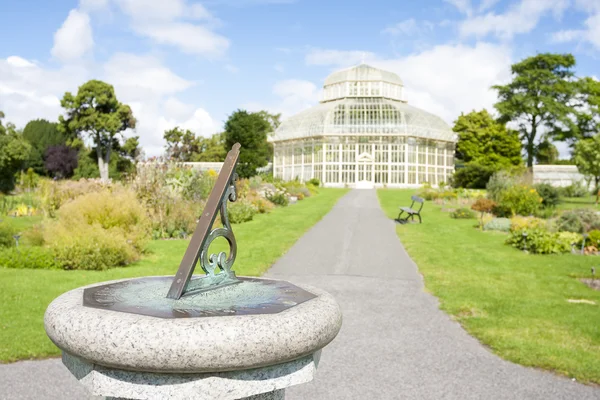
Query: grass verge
(25, 294)
(515, 303)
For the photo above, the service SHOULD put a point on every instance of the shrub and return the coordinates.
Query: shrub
(33, 236)
(255, 182)
(498, 183)
(90, 247)
(314, 182)
(97, 231)
(548, 193)
(118, 209)
(578, 220)
(279, 198)
(472, 176)
(240, 211)
(6, 235)
(572, 238)
(519, 223)
(576, 189)
(28, 257)
(520, 199)
(263, 206)
(177, 219)
(502, 211)
(463, 213)
(539, 241)
(498, 224)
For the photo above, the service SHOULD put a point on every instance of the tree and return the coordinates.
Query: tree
(96, 112)
(212, 149)
(539, 96)
(587, 159)
(41, 134)
(61, 160)
(273, 119)
(546, 153)
(14, 151)
(588, 110)
(485, 141)
(181, 145)
(250, 130)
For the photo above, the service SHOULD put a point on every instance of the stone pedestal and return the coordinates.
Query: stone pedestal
(120, 355)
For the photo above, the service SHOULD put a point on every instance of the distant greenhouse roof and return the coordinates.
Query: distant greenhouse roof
(363, 73)
(363, 117)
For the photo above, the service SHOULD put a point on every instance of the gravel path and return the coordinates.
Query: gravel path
(394, 344)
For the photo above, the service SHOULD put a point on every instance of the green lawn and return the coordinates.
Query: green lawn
(578, 202)
(515, 303)
(25, 294)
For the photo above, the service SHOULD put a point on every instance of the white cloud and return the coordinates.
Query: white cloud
(294, 95)
(74, 38)
(464, 6)
(279, 68)
(519, 18)
(163, 22)
(406, 28)
(442, 80)
(93, 5)
(340, 58)
(28, 91)
(19, 62)
(134, 74)
(590, 34)
(487, 4)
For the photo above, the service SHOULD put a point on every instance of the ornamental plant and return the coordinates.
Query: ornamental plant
(462, 213)
(520, 200)
(483, 205)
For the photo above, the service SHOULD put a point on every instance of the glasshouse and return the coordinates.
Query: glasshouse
(364, 134)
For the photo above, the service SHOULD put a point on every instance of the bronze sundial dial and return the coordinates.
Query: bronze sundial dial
(217, 293)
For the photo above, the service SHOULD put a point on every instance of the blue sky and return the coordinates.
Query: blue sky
(192, 63)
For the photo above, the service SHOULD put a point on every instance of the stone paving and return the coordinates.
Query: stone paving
(394, 344)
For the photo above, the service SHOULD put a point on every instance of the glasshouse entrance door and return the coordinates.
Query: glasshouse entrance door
(364, 172)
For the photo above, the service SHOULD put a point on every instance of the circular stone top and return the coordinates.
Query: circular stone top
(240, 340)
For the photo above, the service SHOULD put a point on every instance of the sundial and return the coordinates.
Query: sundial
(219, 292)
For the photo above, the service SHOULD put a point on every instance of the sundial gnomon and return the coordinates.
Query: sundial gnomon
(219, 292)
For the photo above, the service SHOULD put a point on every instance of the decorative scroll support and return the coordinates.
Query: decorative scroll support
(223, 191)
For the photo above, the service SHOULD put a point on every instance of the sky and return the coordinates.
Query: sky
(191, 64)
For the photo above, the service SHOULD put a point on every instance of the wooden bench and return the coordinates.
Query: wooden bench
(411, 211)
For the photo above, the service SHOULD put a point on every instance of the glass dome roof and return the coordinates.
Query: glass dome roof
(364, 117)
(363, 101)
(363, 73)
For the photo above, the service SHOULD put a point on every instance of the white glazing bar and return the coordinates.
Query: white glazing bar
(406, 161)
(312, 159)
(445, 168)
(324, 158)
(417, 165)
(437, 168)
(293, 162)
(389, 162)
(340, 180)
(427, 164)
(303, 148)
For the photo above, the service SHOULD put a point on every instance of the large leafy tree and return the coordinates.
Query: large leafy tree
(181, 145)
(587, 158)
(250, 130)
(588, 110)
(212, 149)
(96, 112)
(539, 98)
(14, 151)
(41, 134)
(483, 140)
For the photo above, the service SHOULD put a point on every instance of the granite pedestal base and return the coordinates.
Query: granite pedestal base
(135, 356)
(266, 383)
